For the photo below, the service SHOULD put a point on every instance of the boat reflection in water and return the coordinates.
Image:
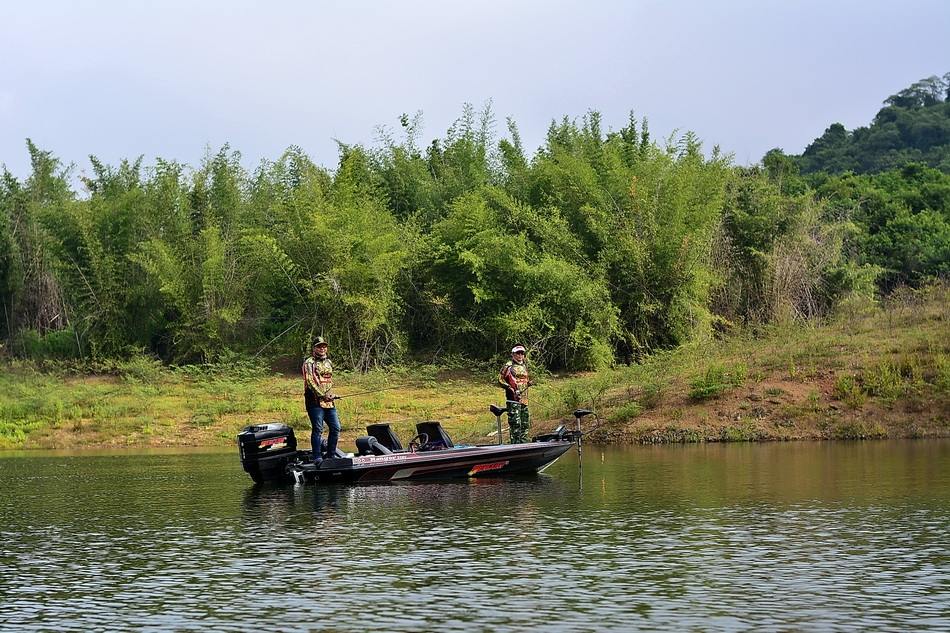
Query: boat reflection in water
(280, 506)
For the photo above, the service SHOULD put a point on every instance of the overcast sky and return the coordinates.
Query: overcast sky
(122, 79)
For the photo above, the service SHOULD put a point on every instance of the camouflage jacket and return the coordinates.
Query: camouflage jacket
(318, 381)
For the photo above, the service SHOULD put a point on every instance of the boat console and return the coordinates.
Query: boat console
(382, 440)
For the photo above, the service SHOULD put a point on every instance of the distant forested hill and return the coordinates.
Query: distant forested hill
(912, 127)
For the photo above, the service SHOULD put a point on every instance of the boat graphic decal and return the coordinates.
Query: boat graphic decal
(480, 468)
(379, 459)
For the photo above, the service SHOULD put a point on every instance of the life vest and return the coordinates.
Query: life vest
(519, 373)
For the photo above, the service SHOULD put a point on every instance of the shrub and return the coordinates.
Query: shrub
(650, 395)
(140, 368)
(627, 411)
(857, 430)
(889, 380)
(942, 374)
(716, 380)
(848, 390)
(54, 345)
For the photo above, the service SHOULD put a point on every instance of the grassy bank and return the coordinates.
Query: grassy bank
(873, 372)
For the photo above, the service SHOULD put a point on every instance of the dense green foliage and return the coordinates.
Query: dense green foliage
(901, 219)
(600, 247)
(786, 249)
(890, 182)
(913, 126)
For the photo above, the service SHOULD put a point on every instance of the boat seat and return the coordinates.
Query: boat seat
(385, 436)
(438, 438)
(496, 410)
(371, 446)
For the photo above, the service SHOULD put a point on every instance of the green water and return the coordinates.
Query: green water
(802, 536)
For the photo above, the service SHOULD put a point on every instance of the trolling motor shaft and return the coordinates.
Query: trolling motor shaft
(579, 415)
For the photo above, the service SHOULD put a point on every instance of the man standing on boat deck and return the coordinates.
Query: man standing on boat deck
(318, 398)
(514, 378)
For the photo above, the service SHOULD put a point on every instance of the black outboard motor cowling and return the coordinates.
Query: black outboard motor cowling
(266, 450)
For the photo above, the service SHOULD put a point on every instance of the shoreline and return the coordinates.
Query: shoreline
(119, 451)
(875, 371)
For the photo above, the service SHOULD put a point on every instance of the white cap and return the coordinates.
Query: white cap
(517, 348)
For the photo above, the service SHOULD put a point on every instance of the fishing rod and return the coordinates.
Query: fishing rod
(363, 393)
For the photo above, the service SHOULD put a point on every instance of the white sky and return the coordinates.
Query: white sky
(119, 79)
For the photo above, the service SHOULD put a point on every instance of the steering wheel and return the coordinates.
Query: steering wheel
(417, 442)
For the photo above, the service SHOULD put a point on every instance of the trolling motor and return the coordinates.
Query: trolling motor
(580, 414)
(562, 434)
(578, 434)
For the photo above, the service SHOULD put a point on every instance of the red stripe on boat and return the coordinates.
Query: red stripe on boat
(480, 468)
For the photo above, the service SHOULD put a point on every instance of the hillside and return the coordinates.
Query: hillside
(912, 127)
(870, 373)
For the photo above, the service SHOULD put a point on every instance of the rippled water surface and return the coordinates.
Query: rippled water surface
(810, 536)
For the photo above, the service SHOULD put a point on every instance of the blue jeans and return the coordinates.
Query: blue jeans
(317, 416)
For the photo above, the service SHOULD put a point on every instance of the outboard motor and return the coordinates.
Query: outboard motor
(266, 449)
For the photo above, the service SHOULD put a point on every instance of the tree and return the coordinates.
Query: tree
(913, 126)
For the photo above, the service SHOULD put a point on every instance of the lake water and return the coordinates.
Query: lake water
(797, 536)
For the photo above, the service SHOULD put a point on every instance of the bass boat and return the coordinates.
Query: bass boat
(269, 454)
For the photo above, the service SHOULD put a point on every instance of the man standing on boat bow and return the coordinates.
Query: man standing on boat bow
(514, 378)
(318, 398)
